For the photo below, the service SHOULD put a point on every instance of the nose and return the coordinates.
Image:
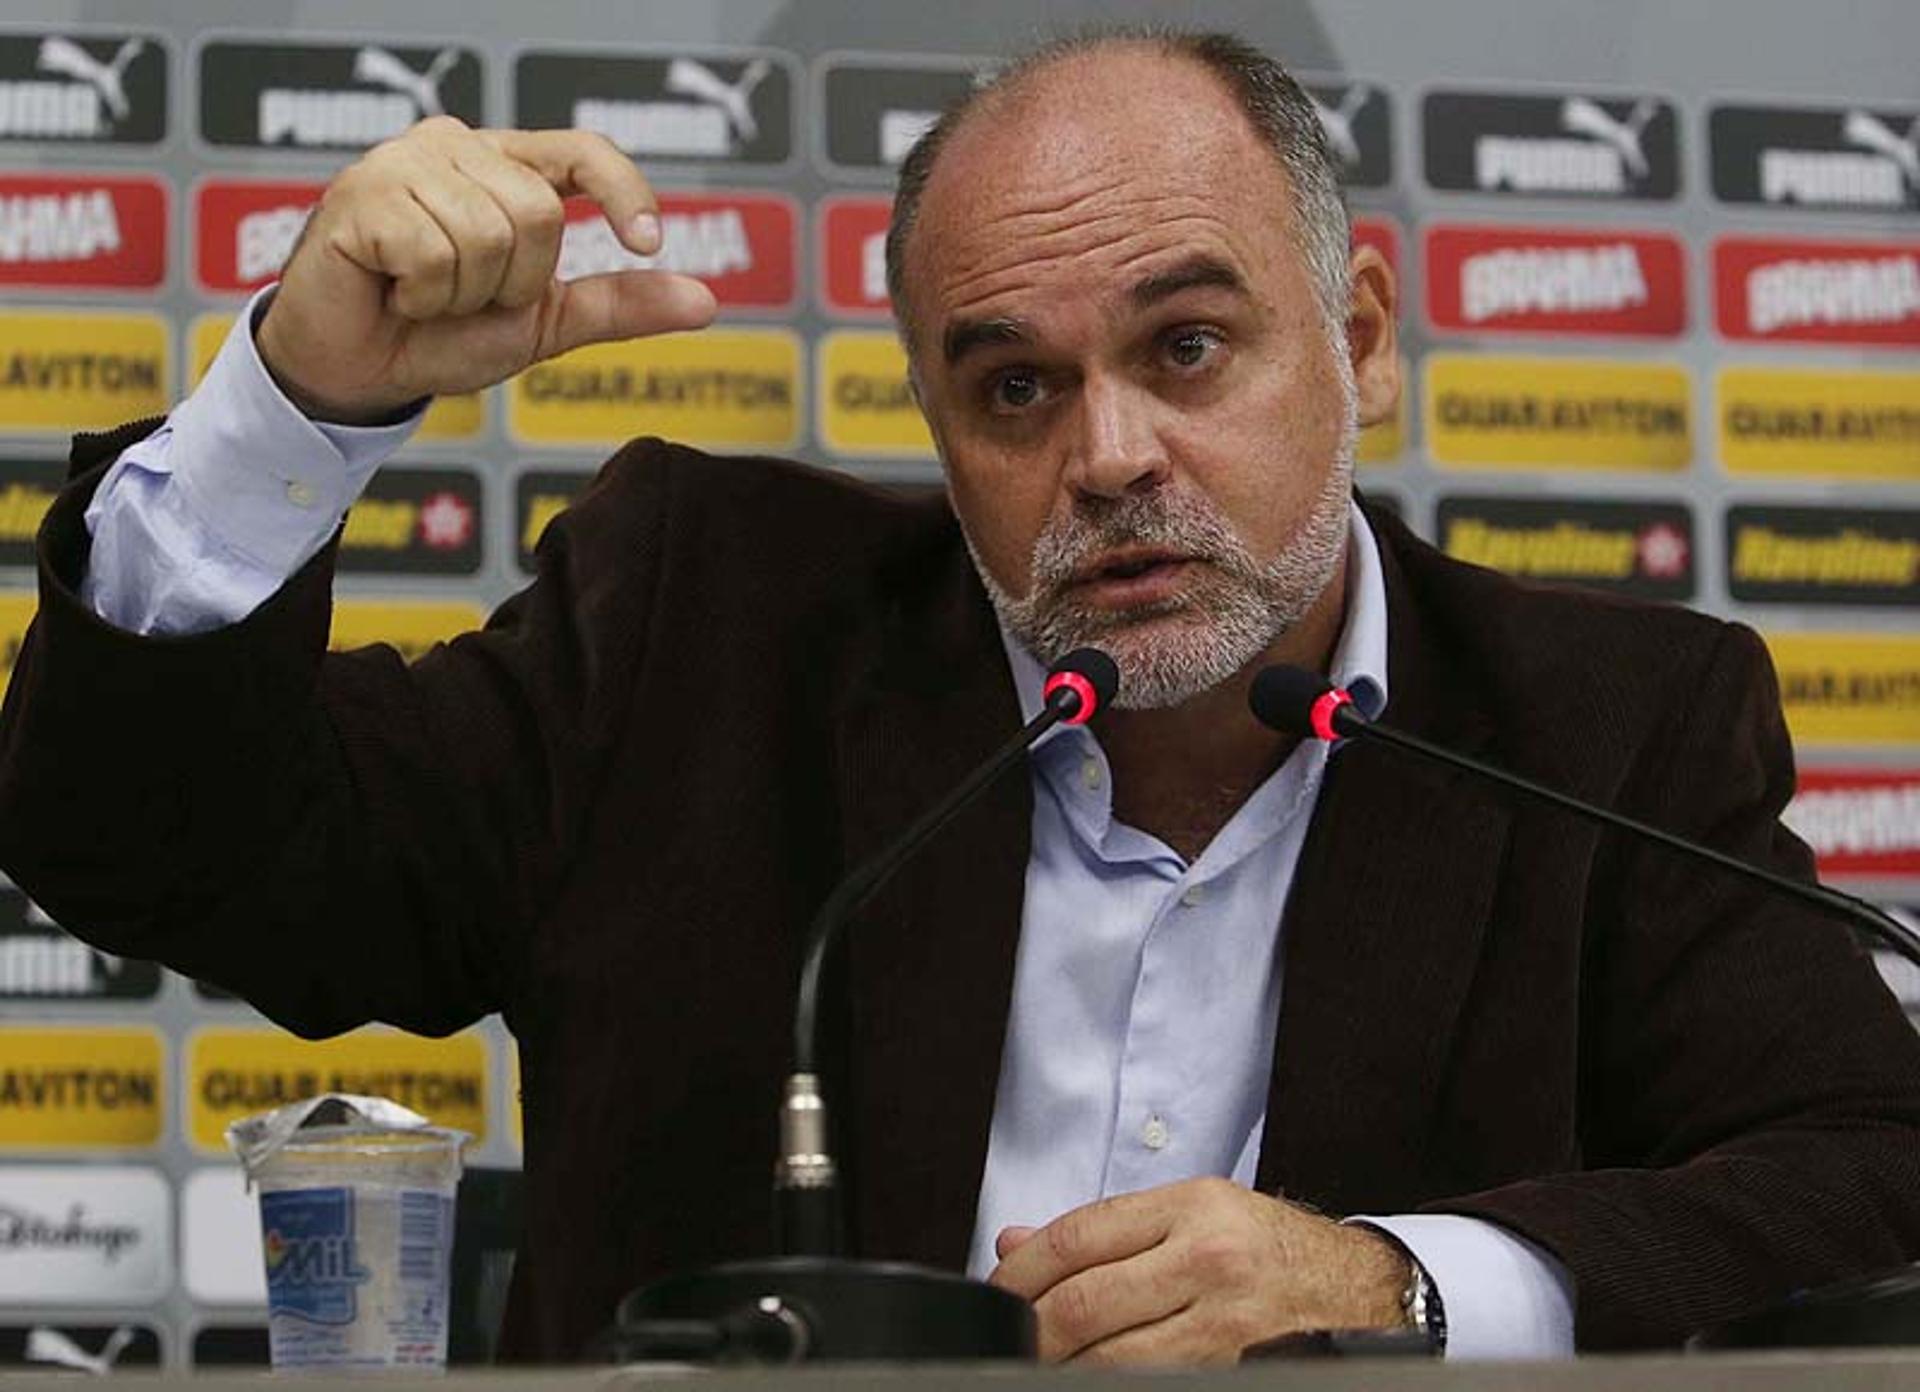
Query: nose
(1117, 448)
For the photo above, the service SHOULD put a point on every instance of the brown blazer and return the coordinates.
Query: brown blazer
(611, 813)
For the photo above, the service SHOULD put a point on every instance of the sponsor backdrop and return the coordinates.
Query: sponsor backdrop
(1661, 289)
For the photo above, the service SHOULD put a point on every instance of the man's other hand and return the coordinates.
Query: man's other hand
(428, 268)
(1193, 1273)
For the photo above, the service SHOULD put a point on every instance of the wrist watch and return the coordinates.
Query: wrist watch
(1422, 1308)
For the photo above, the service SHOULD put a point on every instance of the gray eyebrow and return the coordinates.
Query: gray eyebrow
(1188, 275)
(964, 336)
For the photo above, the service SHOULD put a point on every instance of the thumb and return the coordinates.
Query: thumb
(622, 305)
(1010, 1239)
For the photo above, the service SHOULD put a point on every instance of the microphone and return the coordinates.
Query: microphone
(811, 1303)
(1299, 702)
(1077, 687)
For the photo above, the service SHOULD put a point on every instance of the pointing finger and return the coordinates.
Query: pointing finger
(574, 161)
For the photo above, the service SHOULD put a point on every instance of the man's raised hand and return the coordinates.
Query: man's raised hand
(428, 269)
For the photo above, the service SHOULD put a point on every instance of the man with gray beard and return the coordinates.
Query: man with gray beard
(1192, 1037)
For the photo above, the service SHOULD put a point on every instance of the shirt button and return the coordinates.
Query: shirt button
(1154, 1135)
(300, 494)
(1090, 773)
(1195, 896)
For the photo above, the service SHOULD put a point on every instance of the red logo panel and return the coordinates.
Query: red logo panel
(853, 242)
(244, 230)
(741, 244)
(1859, 821)
(1773, 290)
(1555, 281)
(66, 231)
(1382, 236)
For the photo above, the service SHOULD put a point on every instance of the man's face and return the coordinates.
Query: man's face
(1145, 425)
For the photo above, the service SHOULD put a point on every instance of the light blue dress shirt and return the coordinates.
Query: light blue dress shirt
(1146, 988)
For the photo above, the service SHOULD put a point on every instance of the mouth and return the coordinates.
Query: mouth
(1132, 576)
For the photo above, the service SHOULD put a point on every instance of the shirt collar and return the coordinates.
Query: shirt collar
(1359, 657)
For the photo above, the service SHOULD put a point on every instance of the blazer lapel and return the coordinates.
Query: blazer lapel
(1380, 938)
(928, 965)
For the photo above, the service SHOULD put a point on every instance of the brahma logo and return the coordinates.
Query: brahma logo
(1817, 157)
(1824, 555)
(1580, 145)
(734, 108)
(853, 255)
(1863, 822)
(330, 96)
(70, 231)
(740, 244)
(245, 230)
(1357, 119)
(97, 88)
(1864, 293)
(1641, 548)
(878, 106)
(1547, 280)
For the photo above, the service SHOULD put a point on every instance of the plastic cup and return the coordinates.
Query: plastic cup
(356, 1225)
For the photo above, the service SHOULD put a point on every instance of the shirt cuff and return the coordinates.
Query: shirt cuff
(1505, 1297)
(266, 481)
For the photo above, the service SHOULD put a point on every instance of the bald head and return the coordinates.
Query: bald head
(1078, 110)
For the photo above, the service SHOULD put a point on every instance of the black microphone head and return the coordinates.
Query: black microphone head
(1091, 675)
(1283, 698)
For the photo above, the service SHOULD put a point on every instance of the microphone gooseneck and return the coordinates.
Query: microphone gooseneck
(1077, 687)
(1299, 702)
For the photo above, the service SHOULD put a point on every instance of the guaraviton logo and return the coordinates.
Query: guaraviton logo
(1484, 279)
(1841, 157)
(1824, 555)
(878, 105)
(92, 87)
(1357, 119)
(234, 1072)
(1849, 688)
(733, 107)
(741, 244)
(1811, 421)
(1631, 547)
(725, 388)
(1546, 412)
(244, 230)
(73, 370)
(1844, 292)
(80, 1087)
(82, 231)
(866, 404)
(1531, 144)
(330, 96)
(1863, 822)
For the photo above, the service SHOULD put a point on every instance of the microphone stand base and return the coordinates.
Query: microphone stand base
(828, 1309)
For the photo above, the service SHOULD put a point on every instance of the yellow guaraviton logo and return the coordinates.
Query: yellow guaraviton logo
(412, 626)
(79, 370)
(866, 406)
(16, 612)
(1495, 411)
(449, 418)
(722, 388)
(236, 1072)
(1852, 688)
(81, 1088)
(1819, 423)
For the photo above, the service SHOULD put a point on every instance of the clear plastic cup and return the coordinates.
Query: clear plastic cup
(356, 1224)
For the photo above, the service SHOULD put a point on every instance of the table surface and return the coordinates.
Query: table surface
(1863, 1371)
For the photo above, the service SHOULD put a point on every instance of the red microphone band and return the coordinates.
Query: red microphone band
(1080, 687)
(1322, 713)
